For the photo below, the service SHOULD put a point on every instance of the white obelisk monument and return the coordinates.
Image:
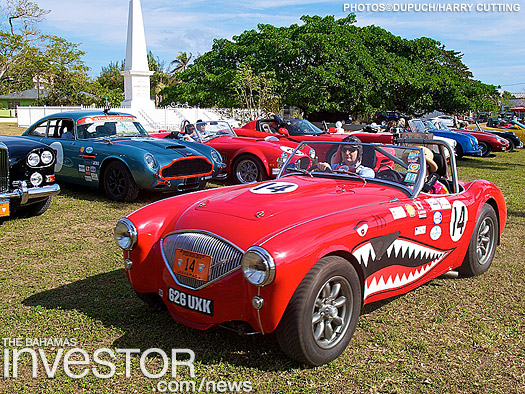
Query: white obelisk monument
(136, 71)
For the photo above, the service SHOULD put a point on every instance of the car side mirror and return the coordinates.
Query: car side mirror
(283, 131)
(332, 130)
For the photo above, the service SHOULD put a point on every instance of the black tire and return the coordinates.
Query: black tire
(248, 169)
(482, 246)
(459, 151)
(153, 300)
(512, 145)
(326, 303)
(35, 209)
(485, 148)
(119, 184)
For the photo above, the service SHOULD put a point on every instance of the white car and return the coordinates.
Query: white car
(447, 119)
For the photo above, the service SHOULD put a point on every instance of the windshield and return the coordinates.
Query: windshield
(416, 125)
(429, 125)
(302, 127)
(109, 126)
(399, 166)
(515, 122)
(211, 129)
(441, 126)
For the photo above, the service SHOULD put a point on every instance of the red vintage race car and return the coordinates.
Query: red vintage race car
(354, 225)
(296, 130)
(247, 160)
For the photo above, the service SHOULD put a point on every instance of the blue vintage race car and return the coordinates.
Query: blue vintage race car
(467, 145)
(112, 151)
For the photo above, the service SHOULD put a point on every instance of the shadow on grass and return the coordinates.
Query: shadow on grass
(477, 163)
(85, 193)
(109, 298)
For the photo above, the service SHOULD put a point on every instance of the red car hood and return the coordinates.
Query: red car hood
(232, 213)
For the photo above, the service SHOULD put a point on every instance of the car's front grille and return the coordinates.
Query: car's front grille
(187, 167)
(4, 170)
(225, 257)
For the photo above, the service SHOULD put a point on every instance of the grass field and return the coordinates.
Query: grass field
(61, 276)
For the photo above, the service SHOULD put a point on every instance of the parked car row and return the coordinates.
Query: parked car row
(344, 223)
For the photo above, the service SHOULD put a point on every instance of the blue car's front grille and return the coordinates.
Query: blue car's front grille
(187, 167)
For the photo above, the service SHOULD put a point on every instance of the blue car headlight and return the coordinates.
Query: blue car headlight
(151, 162)
(216, 156)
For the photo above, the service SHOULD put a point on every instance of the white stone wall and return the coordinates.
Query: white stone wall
(153, 119)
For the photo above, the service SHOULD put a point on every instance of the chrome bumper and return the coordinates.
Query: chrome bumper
(25, 193)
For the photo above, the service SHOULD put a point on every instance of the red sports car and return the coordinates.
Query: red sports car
(296, 130)
(248, 160)
(302, 254)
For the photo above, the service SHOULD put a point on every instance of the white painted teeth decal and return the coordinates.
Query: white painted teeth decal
(391, 283)
(401, 249)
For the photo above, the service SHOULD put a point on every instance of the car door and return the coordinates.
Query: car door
(66, 148)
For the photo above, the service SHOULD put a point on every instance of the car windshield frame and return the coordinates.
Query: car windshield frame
(213, 129)
(417, 126)
(103, 127)
(429, 125)
(302, 127)
(408, 145)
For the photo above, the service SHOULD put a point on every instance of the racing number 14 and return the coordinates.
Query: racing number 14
(458, 221)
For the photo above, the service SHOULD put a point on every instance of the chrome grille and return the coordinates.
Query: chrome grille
(225, 257)
(4, 170)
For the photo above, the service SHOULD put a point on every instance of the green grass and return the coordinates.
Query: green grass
(61, 276)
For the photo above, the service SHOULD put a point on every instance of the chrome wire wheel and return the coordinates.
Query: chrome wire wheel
(247, 171)
(485, 240)
(332, 312)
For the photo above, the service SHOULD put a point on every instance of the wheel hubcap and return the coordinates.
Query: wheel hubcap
(485, 237)
(116, 182)
(247, 171)
(332, 312)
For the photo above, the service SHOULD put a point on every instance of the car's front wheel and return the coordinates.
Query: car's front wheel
(482, 245)
(323, 312)
(248, 169)
(485, 148)
(35, 209)
(119, 184)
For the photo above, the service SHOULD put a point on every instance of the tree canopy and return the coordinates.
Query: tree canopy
(29, 58)
(331, 65)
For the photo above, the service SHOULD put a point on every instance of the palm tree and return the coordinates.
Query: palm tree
(181, 62)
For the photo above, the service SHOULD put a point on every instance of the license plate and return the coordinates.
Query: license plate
(191, 264)
(4, 208)
(191, 302)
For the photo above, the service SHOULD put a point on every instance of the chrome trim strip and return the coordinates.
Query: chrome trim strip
(26, 194)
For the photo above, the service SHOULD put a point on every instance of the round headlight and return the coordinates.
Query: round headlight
(151, 162)
(282, 159)
(46, 157)
(125, 234)
(36, 179)
(258, 266)
(33, 159)
(216, 156)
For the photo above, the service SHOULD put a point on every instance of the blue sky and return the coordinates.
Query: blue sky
(492, 42)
